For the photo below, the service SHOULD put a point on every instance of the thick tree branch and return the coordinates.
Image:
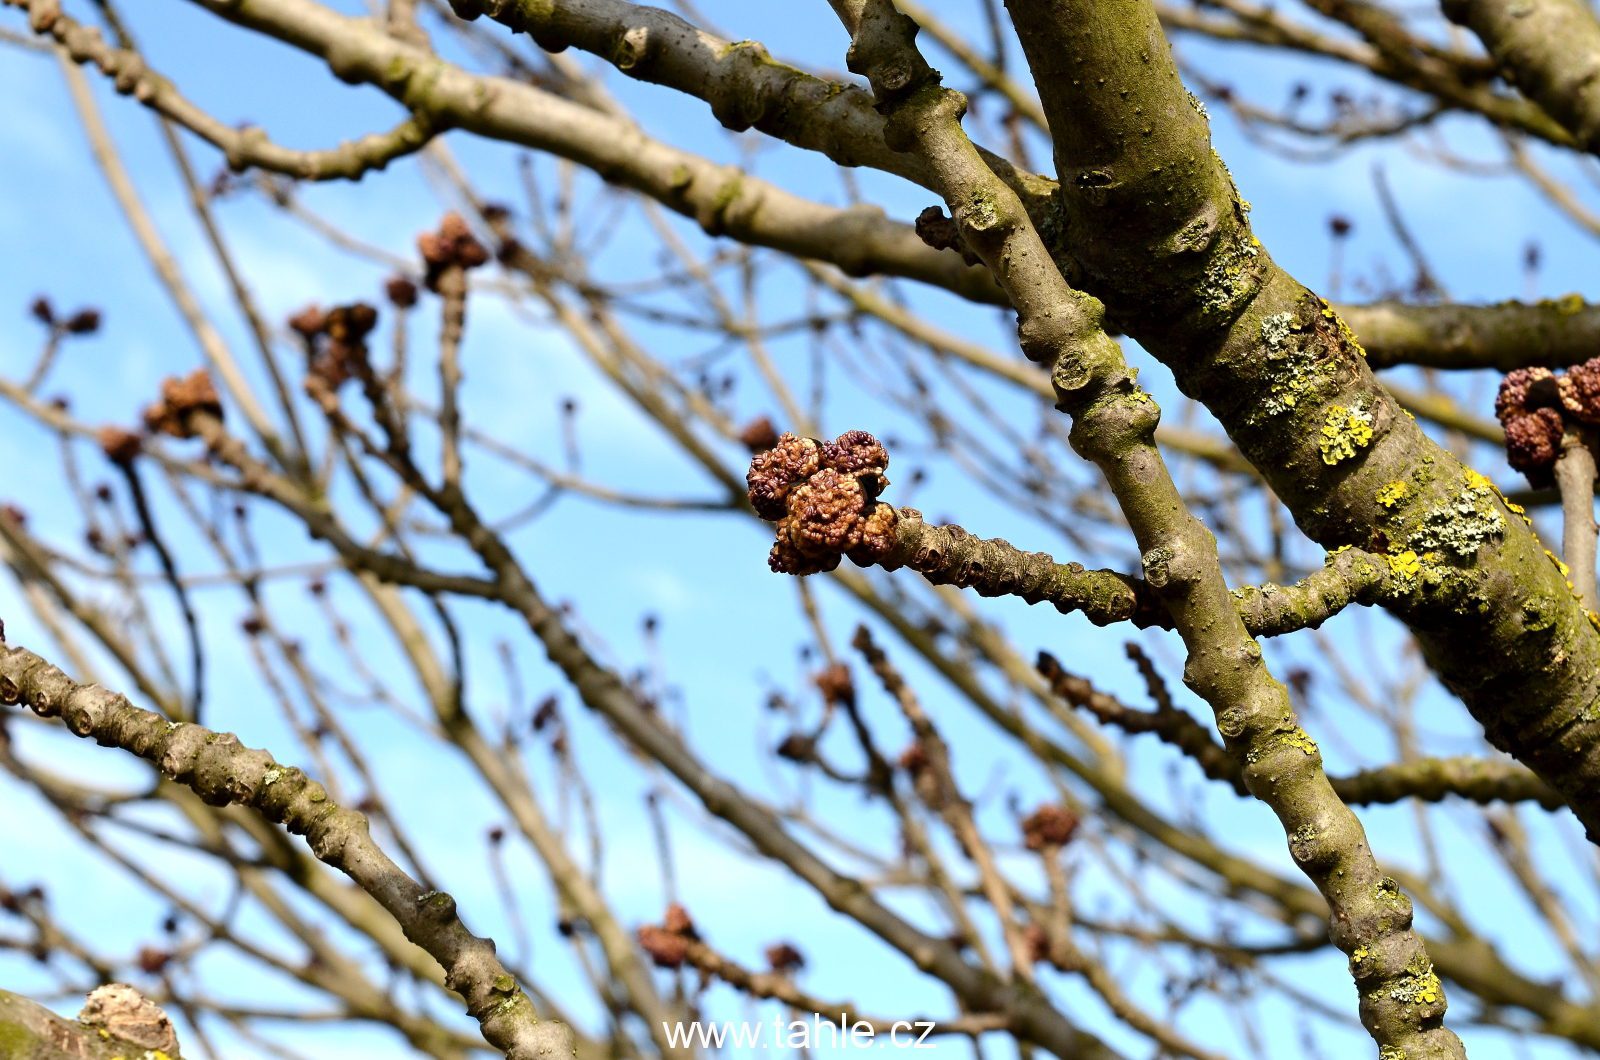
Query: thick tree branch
(221, 771)
(1558, 333)
(949, 555)
(29, 1031)
(723, 200)
(1549, 49)
(860, 241)
(1159, 231)
(1469, 777)
(1417, 63)
(1113, 425)
(244, 147)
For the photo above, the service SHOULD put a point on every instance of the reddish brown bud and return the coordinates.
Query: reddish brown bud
(1049, 826)
(856, 453)
(120, 446)
(309, 322)
(1580, 391)
(1037, 940)
(776, 471)
(668, 943)
(152, 960)
(877, 534)
(351, 323)
(401, 292)
(471, 253)
(823, 497)
(83, 322)
(836, 684)
(796, 747)
(826, 512)
(1533, 439)
(679, 922)
(787, 558)
(665, 949)
(914, 759)
(452, 245)
(758, 435)
(1512, 398)
(784, 958)
(43, 311)
(181, 400)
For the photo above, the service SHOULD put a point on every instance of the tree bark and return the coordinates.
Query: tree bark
(1151, 223)
(29, 1031)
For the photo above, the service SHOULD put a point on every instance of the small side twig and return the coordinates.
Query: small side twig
(221, 770)
(1575, 476)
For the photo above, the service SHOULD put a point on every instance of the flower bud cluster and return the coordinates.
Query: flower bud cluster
(824, 498)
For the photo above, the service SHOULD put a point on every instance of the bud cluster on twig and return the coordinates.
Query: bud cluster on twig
(1536, 406)
(824, 498)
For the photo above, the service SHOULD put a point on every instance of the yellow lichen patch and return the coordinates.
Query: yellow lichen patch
(1393, 493)
(1477, 480)
(1562, 567)
(1405, 565)
(1594, 619)
(1361, 954)
(1389, 891)
(1345, 432)
(1418, 989)
(1298, 739)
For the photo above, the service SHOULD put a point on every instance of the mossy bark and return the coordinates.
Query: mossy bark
(1152, 224)
(1113, 425)
(29, 1031)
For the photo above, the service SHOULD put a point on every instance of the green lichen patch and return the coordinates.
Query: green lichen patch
(1275, 331)
(1229, 276)
(1388, 892)
(1345, 432)
(980, 212)
(1298, 362)
(1288, 734)
(1461, 525)
(1419, 986)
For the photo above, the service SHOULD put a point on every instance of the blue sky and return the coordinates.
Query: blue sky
(729, 630)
